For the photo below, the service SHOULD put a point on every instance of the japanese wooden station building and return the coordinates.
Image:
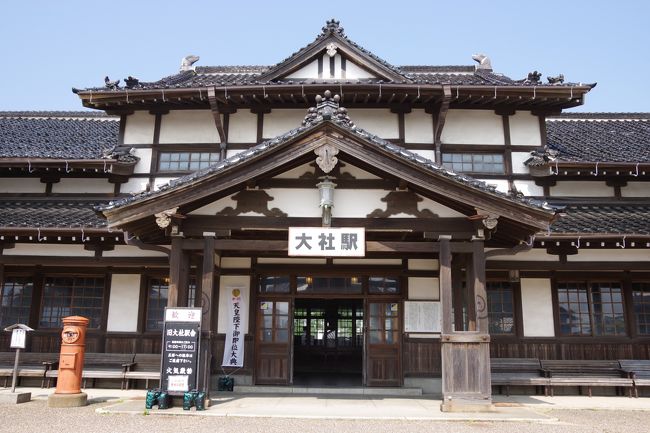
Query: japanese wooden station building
(387, 226)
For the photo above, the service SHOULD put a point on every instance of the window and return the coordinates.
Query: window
(329, 285)
(16, 300)
(275, 285)
(594, 308)
(473, 162)
(156, 303)
(501, 319)
(72, 296)
(388, 285)
(186, 161)
(641, 302)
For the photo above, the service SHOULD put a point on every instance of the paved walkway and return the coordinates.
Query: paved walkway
(506, 408)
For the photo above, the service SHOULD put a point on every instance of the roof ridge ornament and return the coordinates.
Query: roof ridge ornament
(484, 62)
(328, 108)
(332, 26)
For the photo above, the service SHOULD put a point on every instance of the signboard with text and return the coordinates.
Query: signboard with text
(180, 349)
(327, 241)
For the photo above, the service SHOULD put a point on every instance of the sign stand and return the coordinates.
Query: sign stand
(181, 342)
(18, 339)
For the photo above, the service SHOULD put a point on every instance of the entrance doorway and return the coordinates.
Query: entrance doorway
(328, 342)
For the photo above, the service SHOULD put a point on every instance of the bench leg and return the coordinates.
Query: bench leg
(589, 388)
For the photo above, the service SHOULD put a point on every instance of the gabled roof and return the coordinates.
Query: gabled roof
(60, 136)
(329, 124)
(332, 33)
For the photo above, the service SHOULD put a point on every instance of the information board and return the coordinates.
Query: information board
(180, 350)
(422, 316)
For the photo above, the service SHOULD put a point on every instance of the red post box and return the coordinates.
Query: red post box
(71, 360)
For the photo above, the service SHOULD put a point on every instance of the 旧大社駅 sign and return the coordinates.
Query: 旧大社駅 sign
(327, 241)
(181, 338)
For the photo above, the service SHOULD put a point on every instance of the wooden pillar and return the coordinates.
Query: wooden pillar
(179, 273)
(465, 360)
(208, 300)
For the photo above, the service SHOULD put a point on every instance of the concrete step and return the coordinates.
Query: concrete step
(355, 390)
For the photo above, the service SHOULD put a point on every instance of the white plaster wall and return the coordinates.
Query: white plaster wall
(57, 250)
(354, 72)
(235, 262)
(424, 289)
(277, 122)
(501, 184)
(136, 184)
(310, 70)
(534, 254)
(131, 251)
(230, 153)
(423, 264)
(418, 127)
(348, 203)
(295, 173)
(123, 304)
(528, 188)
(139, 128)
(636, 189)
(385, 262)
(189, 126)
(81, 186)
(21, 185)
(537, 307)
(242, 127)
(518, 159)
(524, 129)
(290, 261)
(358, 173)
(581, 189)
(473, 127)
(617, 255)
(144, 164)
(428, 154)
(377, 121)
(226, 284)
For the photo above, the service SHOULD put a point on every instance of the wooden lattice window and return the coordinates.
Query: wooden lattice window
(72, 296)
(641, 302)
(158, 290)
(16, 300)
(501, 316)
(591, 308)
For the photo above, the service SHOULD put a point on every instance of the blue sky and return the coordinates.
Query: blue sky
(50, 46)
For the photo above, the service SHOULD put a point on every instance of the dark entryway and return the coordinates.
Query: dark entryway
(328, 342)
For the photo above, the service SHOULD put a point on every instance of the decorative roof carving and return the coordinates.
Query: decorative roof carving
(332, 26)
(327, 108)
(331, 49)
(187, 62)
(111, 85)
(131, 82)
(164, 218)
(534, 78)
(483, 61)
(556, 80)
(326, 159)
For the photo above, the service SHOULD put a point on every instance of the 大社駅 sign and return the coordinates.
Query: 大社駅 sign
(326, 241)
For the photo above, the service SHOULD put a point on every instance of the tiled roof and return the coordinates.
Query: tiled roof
(619, 137)
(59, 135)
(50, 214)
(624, 219)
(314, 118)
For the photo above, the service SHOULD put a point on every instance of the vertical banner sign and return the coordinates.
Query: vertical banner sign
(233, 352)
(180, 349)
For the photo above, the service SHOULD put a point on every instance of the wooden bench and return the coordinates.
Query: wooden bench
(507, 372)
(146, 367)
(30, 364)
(101, 366)
(638, 371)
(586, 373)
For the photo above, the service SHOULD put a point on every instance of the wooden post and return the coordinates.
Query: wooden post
(465, 360)
(178, 274)
(209, 305)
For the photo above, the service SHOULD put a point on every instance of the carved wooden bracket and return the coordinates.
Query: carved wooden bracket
(164, 218)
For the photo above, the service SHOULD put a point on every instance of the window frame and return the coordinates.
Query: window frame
(472, 154)
(102, 309)
(177, 150)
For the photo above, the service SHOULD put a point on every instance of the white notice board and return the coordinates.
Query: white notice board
(422, 316)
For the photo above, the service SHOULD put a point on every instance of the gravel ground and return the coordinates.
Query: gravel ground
(36, 417)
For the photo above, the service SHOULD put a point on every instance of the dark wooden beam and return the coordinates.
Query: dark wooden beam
(214, 107)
